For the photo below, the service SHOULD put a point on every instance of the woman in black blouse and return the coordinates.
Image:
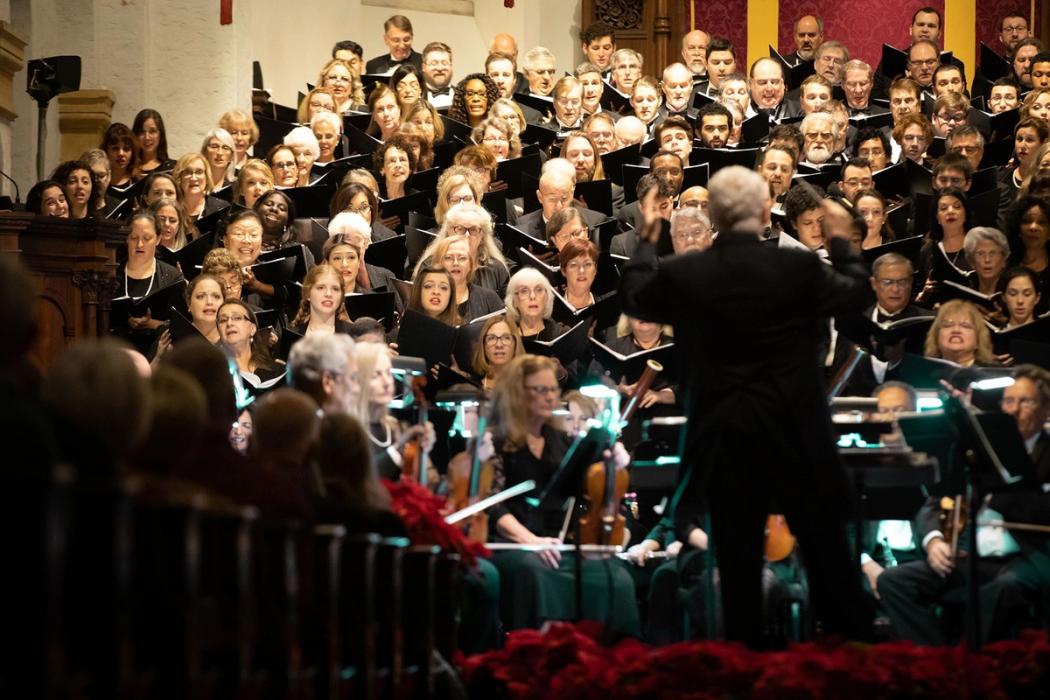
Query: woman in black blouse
(539, 586)
(239, 337)
(142, 274)
(453, 253)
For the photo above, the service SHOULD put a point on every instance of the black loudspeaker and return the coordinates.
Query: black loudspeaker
(48, 77)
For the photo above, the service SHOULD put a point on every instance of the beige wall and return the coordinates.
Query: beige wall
(174, 56)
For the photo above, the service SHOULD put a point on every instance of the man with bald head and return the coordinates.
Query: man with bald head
(766, 85)
(809, 33)
(629, 130)
(504, 43)
(677, 86)
(555, 192)
(694, 52)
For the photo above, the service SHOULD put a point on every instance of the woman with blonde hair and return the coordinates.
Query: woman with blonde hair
(537, 586)
(960, 335)
(508, 109)
(424, 116)
(345, 84)
(245, 132)
(320, 99)
(456, 185)
(253, 181)
(387, 436)
(193, 175)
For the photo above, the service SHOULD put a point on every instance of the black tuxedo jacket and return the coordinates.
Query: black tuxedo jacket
(746, 318)
(383, 64)
(1030, 506)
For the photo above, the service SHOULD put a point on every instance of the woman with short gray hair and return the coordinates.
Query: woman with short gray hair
(987, 251)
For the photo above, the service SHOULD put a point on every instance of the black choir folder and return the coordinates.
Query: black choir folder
(630, 367)
(872, 335)
(377, 305)
(158, 305)
(567, 347)
(948, 290)
(604, 312)
(1038, 331)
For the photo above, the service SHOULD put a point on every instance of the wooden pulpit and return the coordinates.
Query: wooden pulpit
(73, 265)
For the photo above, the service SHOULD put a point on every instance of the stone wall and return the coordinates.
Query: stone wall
(174, 56)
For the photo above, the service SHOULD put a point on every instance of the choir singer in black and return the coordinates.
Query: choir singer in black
(747, 318)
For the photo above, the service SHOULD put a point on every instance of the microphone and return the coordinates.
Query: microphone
(18, 197)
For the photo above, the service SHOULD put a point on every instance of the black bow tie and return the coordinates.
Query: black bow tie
(440, 91)
(883, 318)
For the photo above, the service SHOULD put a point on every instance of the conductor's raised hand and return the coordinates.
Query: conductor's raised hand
(651, 219)
(838, 222)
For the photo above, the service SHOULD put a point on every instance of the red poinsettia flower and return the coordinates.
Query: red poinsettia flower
(420, 512)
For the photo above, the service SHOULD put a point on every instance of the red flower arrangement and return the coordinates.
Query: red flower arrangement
(420, 511)
(567, 661)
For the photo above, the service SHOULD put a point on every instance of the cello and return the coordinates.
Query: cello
(414, 460)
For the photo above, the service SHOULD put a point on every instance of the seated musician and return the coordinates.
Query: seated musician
(1014, 568)
(389, 438)
(889, 542)
(537, 586)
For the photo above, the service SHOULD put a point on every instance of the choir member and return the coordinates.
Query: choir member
(987, 252)
(960, 335)
(239, 336)
(500, 343)
(1020, 288)
(320, 99)
(395, 161)
(529, 302)
(281, 160)
(306, 149)
(47, 198)
(453, 252)
(204, 295)
(328, 130)
(471, 220)
(407, 83)
(173, 226)
(361, 199)
(253, 181)
(345, 251)
(219, 149)
(118, 142)
(433, 294)
(426, 118)
(148, 128)
(78, 185)
(321, 309)
(386, 114)
(1028, 231)
(578, 260)
(344, 84)
(456, 185)
(241, 127)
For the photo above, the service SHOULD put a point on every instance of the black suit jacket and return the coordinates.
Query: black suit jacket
(383, 64)
(1029, 506)
(745, 318)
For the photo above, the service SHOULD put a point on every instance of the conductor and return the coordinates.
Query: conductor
(747, 319)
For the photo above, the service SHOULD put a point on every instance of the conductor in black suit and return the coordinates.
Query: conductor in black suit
(747, 317)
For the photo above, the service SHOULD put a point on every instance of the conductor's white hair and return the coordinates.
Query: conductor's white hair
(737, 199)
(318, 353)
(689, 215)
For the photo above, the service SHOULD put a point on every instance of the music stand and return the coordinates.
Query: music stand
(568, 482)
(995, 460)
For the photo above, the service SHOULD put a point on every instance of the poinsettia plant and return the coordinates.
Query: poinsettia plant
(421, 512)
(568, 661)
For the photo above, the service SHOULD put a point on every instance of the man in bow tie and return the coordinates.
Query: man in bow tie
(437, 73)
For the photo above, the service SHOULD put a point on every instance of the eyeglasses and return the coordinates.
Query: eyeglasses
(580, 266)
(582, 232)
(456, 259)
(544, 390)
(525, 292)
(495, 139)
(1012, 401)
(696, 234)
(219, 147)
(859, 182)
(232, 318)
(505, 339)
(337, 79)
(361, 209)
(902, 283)
(470, 231)
(477, 94)
(958, 118)
(928, 63)
(246, 235)
(452, 199)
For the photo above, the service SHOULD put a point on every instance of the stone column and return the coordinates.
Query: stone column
(82, 118)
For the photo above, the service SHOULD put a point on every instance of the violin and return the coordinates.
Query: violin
(469, 479)
(414, 457)
(951, 521)
(602, 522)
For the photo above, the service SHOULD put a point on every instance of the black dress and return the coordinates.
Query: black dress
(164, 275)
(480, 301)
(532, 593)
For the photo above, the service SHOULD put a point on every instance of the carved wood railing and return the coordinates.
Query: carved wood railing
(73, 266)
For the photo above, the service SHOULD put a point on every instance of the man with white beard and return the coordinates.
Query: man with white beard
(820, 133)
